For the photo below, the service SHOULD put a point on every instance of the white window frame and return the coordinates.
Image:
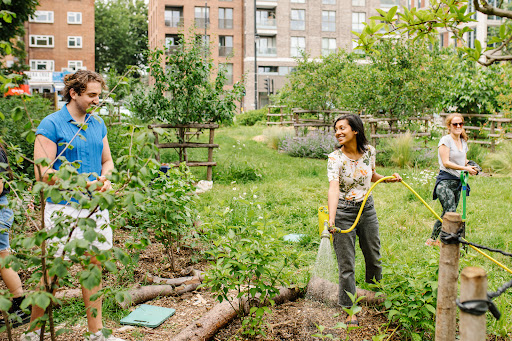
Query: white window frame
(329, 2)
(327, 46)
(295, 19)
(50, 64)
(297, 44)
(358, 3)
(329, 25)
(298, 1)
(33, 38)
(76, 39)
(75, 15)
(357, 21)
(75, 64)
(37, 17)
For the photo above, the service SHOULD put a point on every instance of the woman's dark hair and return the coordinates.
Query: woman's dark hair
(9, 170)
(355, 122)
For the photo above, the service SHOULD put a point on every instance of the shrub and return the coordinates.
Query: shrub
(275, 135)
(477, 153)
(501, 161)
(251, 117)
(401, 150)
(240, 171)
(315, 145)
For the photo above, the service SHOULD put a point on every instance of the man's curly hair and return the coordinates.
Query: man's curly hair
(78, 82)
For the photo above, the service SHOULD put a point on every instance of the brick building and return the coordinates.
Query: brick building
(59, 38)
(217, 22)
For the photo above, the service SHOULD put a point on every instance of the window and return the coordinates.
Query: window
(45, 17)
(202, 17)
(266, 46)
(357, 21)
(328, 46)
(389, 3)
(74, 42)
(472, 38)
(297, 45)
(173, 16)
(41, 41)
(225, 17)
(74, 18)
(229, 73)
(75, 65)
(358, 3)
(172, 43)
(354, 45)
(298, 1)
(329, 2)
(298, 19)
(267, 69)
(204, 42)
(285, 70)
(441, 40)
(225, 46)
(266, 18)
(494, 3)
(328, 21)
(41, 65)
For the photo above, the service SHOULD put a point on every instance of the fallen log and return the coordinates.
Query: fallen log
(149, 292)
(175, 281)
(209, 324)
(325, 291)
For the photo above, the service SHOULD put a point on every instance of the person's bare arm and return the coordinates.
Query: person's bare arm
(444, 152)
(44, 148)
(107, 165)
(332, 200)
(1, 185)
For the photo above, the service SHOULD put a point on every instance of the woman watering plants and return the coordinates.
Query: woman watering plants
(452, 150)
(350, 170)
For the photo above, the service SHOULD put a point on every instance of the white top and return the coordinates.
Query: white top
(354, 175)
(456, 156)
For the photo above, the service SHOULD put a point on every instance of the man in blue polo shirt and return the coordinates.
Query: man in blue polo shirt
(53, 136)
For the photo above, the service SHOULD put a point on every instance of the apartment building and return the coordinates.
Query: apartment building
(284, 28)
(59, 39)
(218, 23)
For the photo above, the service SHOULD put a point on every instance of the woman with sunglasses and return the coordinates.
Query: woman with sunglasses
(452, 150)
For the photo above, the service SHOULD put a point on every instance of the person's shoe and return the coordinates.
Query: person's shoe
(31, 336)
(98, 336)
(17, 317)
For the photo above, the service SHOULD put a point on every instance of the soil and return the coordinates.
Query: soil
(296, 320)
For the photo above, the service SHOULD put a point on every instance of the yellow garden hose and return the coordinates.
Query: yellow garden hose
(338, 230)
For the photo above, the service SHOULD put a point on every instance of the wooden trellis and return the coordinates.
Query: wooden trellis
(185, 133)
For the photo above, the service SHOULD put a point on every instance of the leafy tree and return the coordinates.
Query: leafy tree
(188, 88)
(442, 14)
(121, 39)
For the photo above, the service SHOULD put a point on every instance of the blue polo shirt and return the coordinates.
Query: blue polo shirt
(60, 127)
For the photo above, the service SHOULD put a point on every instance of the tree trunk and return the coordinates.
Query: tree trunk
(325, 291)
(208, 325)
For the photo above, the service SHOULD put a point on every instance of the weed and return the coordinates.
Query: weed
(501, 161)
(315, 145)
(401, 150)
(275, 135)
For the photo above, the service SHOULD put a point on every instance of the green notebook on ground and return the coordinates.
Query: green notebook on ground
(148, 316)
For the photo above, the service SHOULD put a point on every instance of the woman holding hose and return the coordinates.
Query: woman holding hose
(351, 170)
(452, 150)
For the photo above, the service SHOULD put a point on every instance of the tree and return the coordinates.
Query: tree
(121, 34)
(442, 14)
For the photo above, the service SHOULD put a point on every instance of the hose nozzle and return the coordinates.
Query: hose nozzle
(325, 233)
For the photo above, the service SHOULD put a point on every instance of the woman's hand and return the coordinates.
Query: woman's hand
(471, 170)
(105, 184)
(397, 178)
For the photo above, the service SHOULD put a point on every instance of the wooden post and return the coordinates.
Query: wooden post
(157, 156)
(209, 169)
(493, 140)
(473, 286)
(373, 127)
(296, 119)
(446, 311)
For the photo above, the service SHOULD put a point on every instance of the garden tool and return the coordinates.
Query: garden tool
(464, 180)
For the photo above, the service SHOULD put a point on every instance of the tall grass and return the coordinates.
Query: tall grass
(401, 150)
(501, 161)
(275, 135)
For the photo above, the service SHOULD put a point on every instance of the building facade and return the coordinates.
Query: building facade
(59, 39)
(279, 30)
(217, 23)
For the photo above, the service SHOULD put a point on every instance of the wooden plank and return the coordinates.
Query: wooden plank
(506, 135)
(384, 119)
(278, 114)
(472, 115)
(499, 119)
(187, 145)
(194, 163)
(312, 124)
(191, 125)
(480, 142)
(284, 122)
(396, 135)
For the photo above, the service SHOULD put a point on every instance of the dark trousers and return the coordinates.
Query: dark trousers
(448, 193)
(367, 230)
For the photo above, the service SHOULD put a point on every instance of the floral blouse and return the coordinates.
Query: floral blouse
(354, 175)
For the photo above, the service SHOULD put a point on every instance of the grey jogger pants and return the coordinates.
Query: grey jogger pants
(367, 230)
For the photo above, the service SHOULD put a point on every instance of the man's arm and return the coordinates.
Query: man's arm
(107, 165)
(1, 185)
(44, 148)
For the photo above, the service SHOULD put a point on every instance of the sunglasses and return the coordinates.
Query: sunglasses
(458, 124)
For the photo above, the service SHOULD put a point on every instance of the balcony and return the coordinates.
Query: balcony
(202, 22)
(225, 51)
(174, 22)
(267, 51)
(226, 23)
(266, 23)
(172, 49)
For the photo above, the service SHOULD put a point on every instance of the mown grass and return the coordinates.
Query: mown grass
(292, 189)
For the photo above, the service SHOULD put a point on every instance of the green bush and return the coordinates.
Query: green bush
(251, 117)
(477, 153)
(13, 129)
(240, 171)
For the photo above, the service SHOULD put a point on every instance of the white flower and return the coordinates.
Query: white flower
(254, 196)
(258, 206)
(234, 188)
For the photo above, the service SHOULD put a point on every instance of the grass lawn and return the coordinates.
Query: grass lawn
(290, 190)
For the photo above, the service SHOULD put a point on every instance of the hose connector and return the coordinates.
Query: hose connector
(325, 233)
